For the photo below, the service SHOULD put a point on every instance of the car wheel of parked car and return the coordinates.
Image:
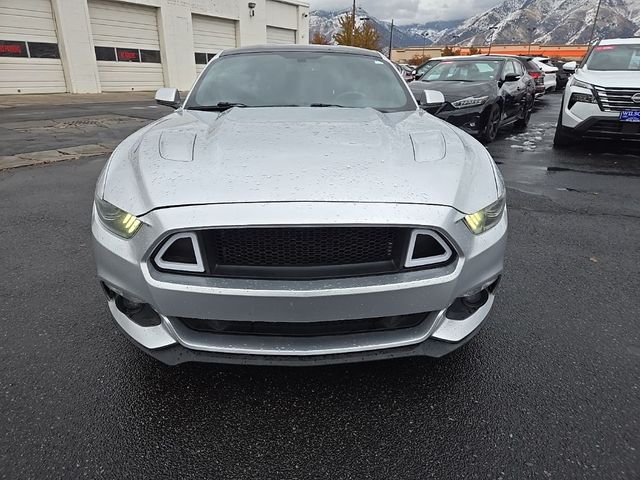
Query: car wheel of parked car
(492, 124)
(561, 138)
(526, 114)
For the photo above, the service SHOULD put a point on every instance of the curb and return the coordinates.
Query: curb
(52, 156)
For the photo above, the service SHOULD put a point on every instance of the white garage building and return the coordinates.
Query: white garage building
(89, 46)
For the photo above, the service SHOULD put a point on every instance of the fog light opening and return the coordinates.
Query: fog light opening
(140, 313)
(475, 300)
(108, 291)
(463, 307)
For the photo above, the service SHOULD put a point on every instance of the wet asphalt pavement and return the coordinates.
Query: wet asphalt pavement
(549, 389)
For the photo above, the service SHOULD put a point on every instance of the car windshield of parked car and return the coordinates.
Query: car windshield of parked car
(424, 68)
(614, 57)
(301, 79)
(463, 71)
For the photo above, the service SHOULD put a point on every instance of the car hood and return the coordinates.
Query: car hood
(613, 79)
(298, 155)
(453, 91)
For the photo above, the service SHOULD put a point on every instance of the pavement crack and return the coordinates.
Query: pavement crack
(593, 172)
(575, 212)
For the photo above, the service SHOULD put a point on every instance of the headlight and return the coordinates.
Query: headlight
(117, 221)
(579, 83)
(469, 102)
(581, 98)
(487, 218)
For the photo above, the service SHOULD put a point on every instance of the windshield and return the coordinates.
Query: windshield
(614, 57)
(299, 79)
(426, 67)
(464, 71)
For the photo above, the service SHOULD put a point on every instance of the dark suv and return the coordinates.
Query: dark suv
(535, 72)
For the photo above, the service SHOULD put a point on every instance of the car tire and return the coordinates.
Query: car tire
(523, 122)
(491, 124)
(561, 139)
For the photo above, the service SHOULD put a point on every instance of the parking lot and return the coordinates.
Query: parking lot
(549, 389)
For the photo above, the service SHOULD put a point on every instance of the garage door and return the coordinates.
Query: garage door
(127, 46)
(29, 56)
(211, 35)
(280, 35)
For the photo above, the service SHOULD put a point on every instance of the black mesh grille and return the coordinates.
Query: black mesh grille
(300, 247)
(305, 329)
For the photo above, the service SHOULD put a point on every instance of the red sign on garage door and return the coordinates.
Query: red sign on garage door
(12, 49)
(128, 55)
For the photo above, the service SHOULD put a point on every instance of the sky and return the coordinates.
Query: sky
(412, 11)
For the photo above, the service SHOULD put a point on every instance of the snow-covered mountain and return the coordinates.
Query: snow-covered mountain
(517, 21)
(326, 23)
(549, 22)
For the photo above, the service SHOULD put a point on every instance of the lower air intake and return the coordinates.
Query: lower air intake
(305, 329)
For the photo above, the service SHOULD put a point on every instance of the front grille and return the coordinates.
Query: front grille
(609, 128)
(304, 252)
(300, 247)
(305, 329)
(617, 99)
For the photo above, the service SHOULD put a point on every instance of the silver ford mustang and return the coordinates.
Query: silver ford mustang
(299, 207)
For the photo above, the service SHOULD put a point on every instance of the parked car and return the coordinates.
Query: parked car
(410, 69)
(562, 76)
(602, 99)
(532, 68)
(550, 73)
(534, 72)
(289, 212)
(482, 93)
(406, 71)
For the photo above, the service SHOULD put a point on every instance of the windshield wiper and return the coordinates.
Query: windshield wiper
(327, 105)
(219, 107)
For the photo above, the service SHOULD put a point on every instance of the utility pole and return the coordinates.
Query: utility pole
(595, 21)
(391, 39)
(531, 32)
(424, 44)
(491, 30)
(353, 24)
(453, 41)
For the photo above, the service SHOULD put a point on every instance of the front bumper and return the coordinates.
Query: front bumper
(468, 119)
(587, 120)
(124, 267)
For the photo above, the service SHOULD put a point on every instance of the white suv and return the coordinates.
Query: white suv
(602, 99)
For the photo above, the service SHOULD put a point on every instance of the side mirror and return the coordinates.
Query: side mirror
(431, 98)
(511, 77)
(570, 67)
(169, 97)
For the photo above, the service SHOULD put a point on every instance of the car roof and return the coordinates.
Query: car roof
(301, 48)
(441, 58)
(469, 58)
(620, 41)
(526, 58)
